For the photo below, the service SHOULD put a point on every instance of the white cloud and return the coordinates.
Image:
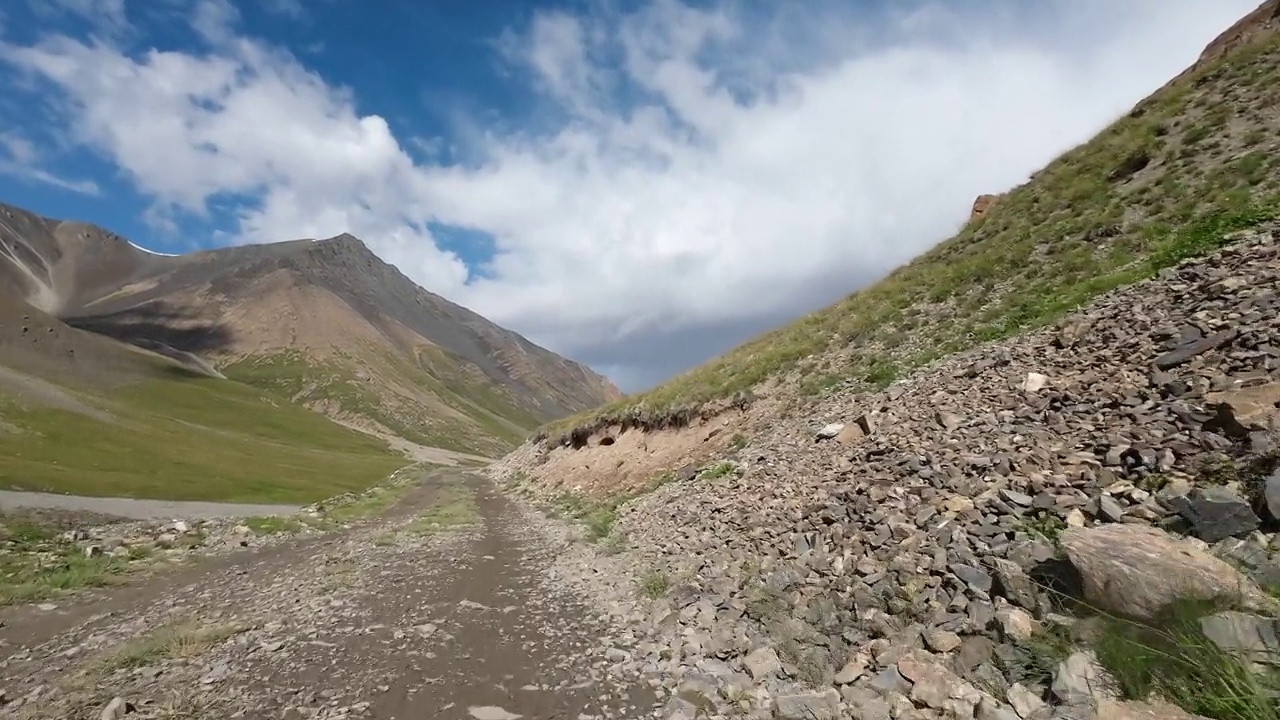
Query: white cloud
(744, 179)
(21, 159)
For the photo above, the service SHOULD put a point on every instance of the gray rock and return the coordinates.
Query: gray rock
(1271, 494)
(990, 709)
(1109, 509)
(941, 641)
(890, 680)
(678, 708)
(864, 704)
(1080, 680)
(972, 576)
(1027, 704)
(829, 431)
(1013, 583)
(1250, 637)
(1137, 570)
(1016, 624)
(851, 671)
(1216, 513)
(762, 663)
(1034, 382)
(1186, 352)
(700, 691)
(823, 705)
(115, 709)
(1246, 410)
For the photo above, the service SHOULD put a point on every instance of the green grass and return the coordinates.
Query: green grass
(1171, 658)
(1087, 223)
(452, 507)
(491, 421)
(372, 502)
(36, 564)
(189, 439)
(273, 525)
(654, 585)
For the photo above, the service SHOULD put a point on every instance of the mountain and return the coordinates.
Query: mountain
(1163, 182)
(324, 324)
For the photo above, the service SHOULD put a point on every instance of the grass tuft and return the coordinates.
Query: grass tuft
(186, 639)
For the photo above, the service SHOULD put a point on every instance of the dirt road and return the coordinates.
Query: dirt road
(138, 509)
(406, 616)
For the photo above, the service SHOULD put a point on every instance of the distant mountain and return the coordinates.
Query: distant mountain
(321, 323)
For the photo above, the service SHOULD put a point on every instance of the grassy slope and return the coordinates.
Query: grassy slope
(188, 439)
(492, 423)
(1089, 222)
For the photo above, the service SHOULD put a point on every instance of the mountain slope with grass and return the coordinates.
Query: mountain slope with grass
(324, 324)
(1035, 473)
(1164, 182)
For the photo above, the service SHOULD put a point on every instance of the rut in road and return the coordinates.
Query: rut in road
(393, 619)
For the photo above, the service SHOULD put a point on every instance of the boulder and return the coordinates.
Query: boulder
(1246, 410)
(1137, 570)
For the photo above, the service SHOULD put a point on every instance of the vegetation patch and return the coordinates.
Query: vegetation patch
(274, 525)
(654, 584)
(37, 563)
(452, 507)
(185, 639)
(1171, 658)
(189, 439)
(488, 421)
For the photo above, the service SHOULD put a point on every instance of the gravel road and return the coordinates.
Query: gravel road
(137, 509)
(388, 619)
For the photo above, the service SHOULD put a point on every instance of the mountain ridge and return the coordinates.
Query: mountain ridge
(324, 322)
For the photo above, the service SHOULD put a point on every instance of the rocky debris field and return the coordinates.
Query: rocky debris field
(993, 537)
(443, 605)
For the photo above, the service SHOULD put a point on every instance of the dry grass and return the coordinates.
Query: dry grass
(185, 639)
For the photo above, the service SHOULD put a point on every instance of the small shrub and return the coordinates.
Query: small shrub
(719, 470)
(654, 584)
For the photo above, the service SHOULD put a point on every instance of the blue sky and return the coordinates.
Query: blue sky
(639, 185)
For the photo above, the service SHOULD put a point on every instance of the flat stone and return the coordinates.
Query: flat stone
(762, 663)
(823, 705)
(1080, 680)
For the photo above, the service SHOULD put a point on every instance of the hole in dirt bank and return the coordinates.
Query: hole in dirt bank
(606, 440)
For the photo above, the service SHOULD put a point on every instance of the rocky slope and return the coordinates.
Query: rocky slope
(324, 323)
(1053, 523)
(903, 547)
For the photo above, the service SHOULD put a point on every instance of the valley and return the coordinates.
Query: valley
(1033, 474)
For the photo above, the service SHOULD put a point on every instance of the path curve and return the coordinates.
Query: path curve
(138, 508)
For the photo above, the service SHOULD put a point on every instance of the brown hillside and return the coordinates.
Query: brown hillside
(325, 323)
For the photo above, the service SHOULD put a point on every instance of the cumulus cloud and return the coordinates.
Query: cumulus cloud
(708, 172)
